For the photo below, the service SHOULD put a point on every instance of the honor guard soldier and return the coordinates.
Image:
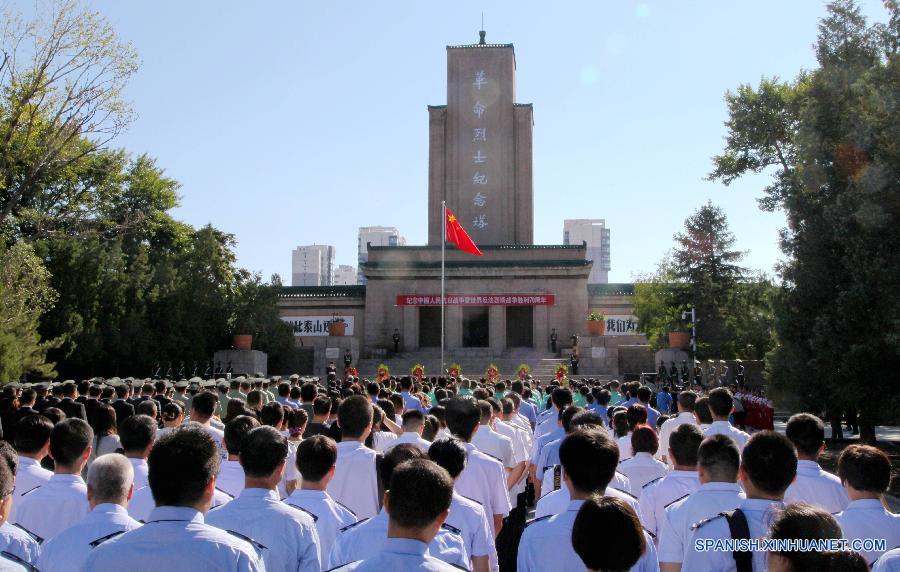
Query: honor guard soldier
(396, 339)
(768, 466)
(21, 547)
(866, 474)
(589, 457)
(465, 515)
(287, 535)
(183, 467)
(717, 468)
(355, 481)
(33, 444)
(721, 404)
(813, 485)
(369, 537)
(62, 500)
(109, 486)
(315, 461)
(624, 545)
(677, 484)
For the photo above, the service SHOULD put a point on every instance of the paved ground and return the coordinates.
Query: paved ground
(883, 433)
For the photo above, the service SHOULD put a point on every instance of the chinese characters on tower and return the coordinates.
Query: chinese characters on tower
(479, 135)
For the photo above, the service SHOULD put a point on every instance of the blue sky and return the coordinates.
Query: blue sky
(291, 123)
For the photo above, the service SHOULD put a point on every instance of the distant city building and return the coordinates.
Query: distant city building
(312, 265)
(596, 235)
(376, 236)
(344, 275)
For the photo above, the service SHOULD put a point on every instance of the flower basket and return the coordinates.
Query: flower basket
(492, 373)
(454, 370)
(337, 328)
(596, 323)
(523, 371)
(384, 373)
(418, 372)
(679, 340)
(242, 342)
(562, 371)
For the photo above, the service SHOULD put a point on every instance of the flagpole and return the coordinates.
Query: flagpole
(443, 242)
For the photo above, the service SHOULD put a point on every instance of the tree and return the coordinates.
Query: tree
(830, 140)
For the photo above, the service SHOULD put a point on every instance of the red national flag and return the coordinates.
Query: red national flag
(458, 235)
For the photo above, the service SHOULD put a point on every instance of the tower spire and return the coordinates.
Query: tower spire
(482, 33)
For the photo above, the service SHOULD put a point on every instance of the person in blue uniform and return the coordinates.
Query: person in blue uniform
(183, 467)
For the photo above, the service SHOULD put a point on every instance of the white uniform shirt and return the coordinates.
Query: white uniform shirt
(759, 512)
(467, 516)
(382, 440)
(29, 476)
(729, 430)
(484, 481)
(624, 444)
(675, 528)
(400, 554)
(54, 506)
(328, 514)
(288, 534)
(355, 483)
(547, 545)
(291, 473)
(218, 436)
(657, 495)
(411, 438)
(640, 470)
(67, 551)
(366, 538)
(867, 518)
(141, 472)
(619, 481)
(231, 477)
(888, 562)
(175, 538)
(668, 426)
(557, 501)
(142, 504)
(494, 444)
(817, 487)
(18, 542)
(520, 452)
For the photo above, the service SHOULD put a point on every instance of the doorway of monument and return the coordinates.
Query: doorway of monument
(519, 327)
(429, 327)
(476, 327)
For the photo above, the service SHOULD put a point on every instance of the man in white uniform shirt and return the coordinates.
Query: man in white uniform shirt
(494, 444)
(315, 462)
(15, 543)
(768, 466)
(203, 405)
(62, 500)
(288, 534)
(109, 487)
(32, 444)
(231, 474)
(866, 474)
(413, 425)
(137, 434)
(183, 467)
(677, 484)
(484, 478)
(589, 457)
(466, 515)
(642, 468)
(686, 401)
(721, 404)
(355, 482)
(813, 485)
(519, 438)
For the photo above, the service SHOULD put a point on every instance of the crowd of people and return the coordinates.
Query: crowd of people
(425, 474)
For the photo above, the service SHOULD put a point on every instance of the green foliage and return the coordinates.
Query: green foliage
(838, 182)
(596, 317)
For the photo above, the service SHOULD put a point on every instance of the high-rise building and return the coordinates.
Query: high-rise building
(376, 236)
(596, 235)
(312, 265)
(344, 275)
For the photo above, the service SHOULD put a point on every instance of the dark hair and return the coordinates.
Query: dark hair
(9, 457)
(450, 454)
(321, 405)
(687, 399)
(32, 433)
(137, 432)
(205, 403)
(354, 415)
(181, 464)
(701, 409)
(644, 394)
(394, 457)
(271, 414)
(721, 402)
(806, 432)
(262, 450)
(7, 481)
(486, 410)
(387, 406)
(68, 441)
(315, 457)
(432, 426)
(720, 457)
(412, 419)
(54, 414)
(172, 410)
(636, 415)
(148, 407)
(589, 457)
(308, 391)
(103, 421)
(567, 414)
(802, 521)
(298, 418)
(684, 443)
(584, 418)
(622, 543)
(561, 397)
(865, 468)
(462, 415)
(644, 440)
(418, 495)
(770, 462)
(620, 423)
(236, 430)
